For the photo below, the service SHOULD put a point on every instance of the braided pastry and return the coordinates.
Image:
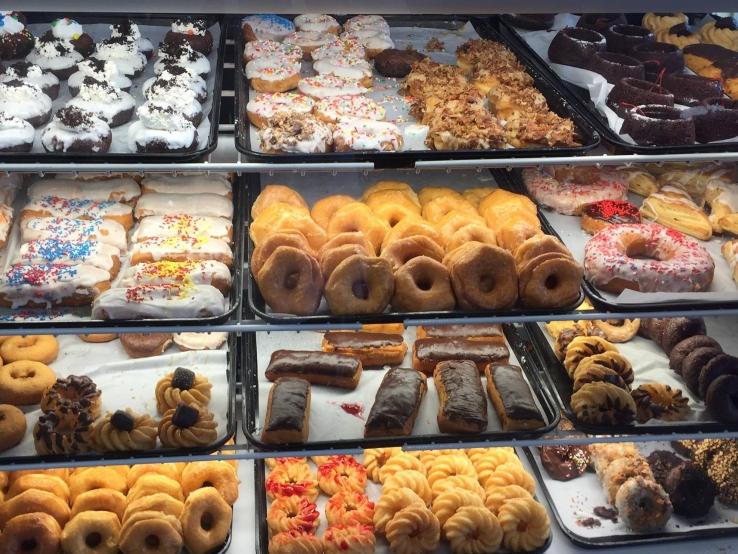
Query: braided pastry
(454, 482)
(511, 474)
(294, 542)
(341, 473)
(428, 457)
(497, 496)
(449, 465)
(584, 347)
(611, 360)
(413, 529)
(445, 505)
(659, 401)
(410, 479)
(375, 458)
(473, 530)
(290, 479)
(293, 513)
(392, 502)
(603, 404)
(524, 523)
(399, 462)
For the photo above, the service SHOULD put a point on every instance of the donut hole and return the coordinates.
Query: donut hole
(207, 521)
(152, 541)
(424, 283)
(29, 545)
(360, 289)
(640, 250)
(486, 283)
(551, 282)
(291, 280)
(93, 540)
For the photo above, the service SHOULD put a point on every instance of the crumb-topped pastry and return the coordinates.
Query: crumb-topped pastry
(295, 133)
(16, 134)
(16, 41)
(56, 55)
(124, 430)
(128, 29)
(29, 73)
(112, 105)
(459, 125)
(66, 28)
(124, 52)
(25, 101)
(182, 54)
(193, 31)
(182, 386)
(76, 130)
(161, 128)
(101, 70)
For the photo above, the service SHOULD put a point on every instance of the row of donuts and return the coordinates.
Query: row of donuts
(437, 248)
(118, 509)
(479, 500)
(99, 78)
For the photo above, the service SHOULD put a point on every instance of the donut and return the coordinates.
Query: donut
(34, 500)
(71, 396)
(722, 364)
(37, 348)
(358, 217)
(206, 521)
(515, 233)
(219, 475)
(11, 477)
(263, 107)
(676, 329)
(598, 215)
(434, 210)
(483, 276)
(659, 401)
(584, 347)
(536, 246)
(39, 481)
(181, 386)
(151, 483)
(454, 220)
(497, 497)
(391, 503)
(388, 186)
(288, 237)
(618, 330)
(349, 538)
(159, 502)
(447, 504)
(550, 281)
(455, 482)
(349, 508)
(292, 513)
(12, 426)
(392, 213)
(273, 74)
(342, 239)
(413, 529)
(360, 285)
(375, 458)
(99, 337)
(409, 227)
(393, 62)
(510, 473)
(603, 404)
(289, 542)
(525, 524)
(266, 27)
(292, 479)
(272, 194)
(323, 210)
(24, 382)
(291, 282)
(330, 258)
(317, 23)
(91, 533)
(473, 529)
(137, 471)
(646, 258)
(186, 426)
(448, 465)
(401, 461)
(335, 108)
(33, 533)
(144, 345)
(96, 478)
(401, 251)
(423, 284)
(280, 217)
(694, 363)
(683, 348)
(353, 133)
(163, 532)
(341, 473)
(471, 233)
(100, 500)
(643, 505)
(720, 398)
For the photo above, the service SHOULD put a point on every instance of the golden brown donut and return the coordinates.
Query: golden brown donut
(39, 481)
(454, 220)
(360, 285)
(358, 217)
(91, 533)
(272, 194)
(34, 500)
(280, 217)
(355, 237)
(405, 197)
(511, 236)
(169, 470)
(220, 475)
(477, 194)
(323, 209)
(12, 428)
(159, 502)
(411, 226)
(550, 281)
(166, 531)
(434, 210)
(402, 251)
(427, 194)
(37, 348)
(289, 237)
(291, 282)
(471, 233)
(380, 186)
(329, 259)
(24, 382)
(392, 214)
(59, 472)
(537, 245)
(99, 337)
(483, 276)
(206, 521)
(144, 345)
(100, 500)
(37, 529)
(423, 285)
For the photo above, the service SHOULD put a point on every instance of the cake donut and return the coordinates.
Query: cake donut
(25, 101)
(160, 128)
(124, 52)
(307, 42)
(194, 31)
(76, 130)
(16, 135)
(181, 54)
(27, 72)
(333, 108)
(129, 30)
(353, 133)
(338, 48)
(262, 108)
(66, 28)
(55, 55)
(16, 41)
(271, 48)
(317, 23)
(159, 302)
(112, 105)
(266, 27)
(323, 86)
(646, 258)
(273, 73)
(347, 67)
(295, 133)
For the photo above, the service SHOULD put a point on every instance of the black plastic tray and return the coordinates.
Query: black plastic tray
(259, 306)
(563, 390)
(133, 157)
(556, 102)
(617, 540)
(234, 295)
(579, 97)
(234, 361)
(520, 344)
(514, 180)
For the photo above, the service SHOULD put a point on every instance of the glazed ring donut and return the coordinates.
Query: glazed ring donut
(158, 502)
(515, 233)
(498, 455)
(96, 478)
(375, 458)
(24, 382)
(550, 283)
(455, 220)
(272, 194)
(329, 259)
(37, 348)
(360, 285)
(323, 210)
(38, 530)
(404, 198)
(293, 542)
(423, 285)
(475, 195)
(290, 281)
(12, 428)
(341, 473)
(349, 508)
(413, 529)
(537, 245)
(289, 237)
(100, 500)
(473, 530)
(411, 479)
(161, 531)
(659, 401)
(399, 462)
(392, 214)
(447, 504)
(483, 277)
(49, 483)
(341, 239)
(471, 233)
(34, 500)
(152, 483)
(96, 338)
(486, 463)
(525, 524)
(584, 347)
(91, 533)
(292, 478)
(449, 465)
(60, 472)
(358, 217)
(391, 503)
(401, 251)
(206, 521)
(139, 470)
(617, 330)
(497, 496)
(220, 475)
(293, 513)
(380, 186)
(428, 194)
(437, 208)
(281, 217)
(720, 398)
(411, 226)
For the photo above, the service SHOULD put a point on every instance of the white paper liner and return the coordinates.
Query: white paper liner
(575, 501)
(328, 421)
(130, 383)
(155, 33)
(385, 89)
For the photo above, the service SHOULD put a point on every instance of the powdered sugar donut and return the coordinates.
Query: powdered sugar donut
(375, 22)
(323, 86)
(268, 48)
(568, 197)
(55, 55)
(347, 67)
(374, 41)
(76, 130)
(333, 108)
(32, 74)
(317, 23)
(265, 106)
(102, 70)
(337, 48)
(25, 101)
(266, 27)
(113, 106)
(352, 133)
(16, 134)
(308, 41)
(273, 74)
(124, 52)
(161, 129)
(295, 133)
(647, 258)
(181, 54)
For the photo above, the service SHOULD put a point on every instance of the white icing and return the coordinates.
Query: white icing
(135, 33)
(179, 98)
(155, 115)
(139, 134)
(335, 107)
(196, 272)
(414, 136)
(120, 189)
(66, 28)
(125, 55)
(9, 25)
(268, 27)
(103, 230)
(110, 74)
(367, 134)
(52, 206)
(370, 38)
(315, 142)
(194, 62)
(181, 249)
(187, 28)
(337, 48)
(99, 254)
(213, 205)
(316, 22)
(262, 48)
(25, 101)
(102, 100)
(375, 22)
(15, 131)
(46, 56)
(348, 67)
(183, 224)
(268, 105)
(272, 68)
(159, 302)
(35, 76)
(322, 86)
(200, 341)
(188, 80)
(187, 184)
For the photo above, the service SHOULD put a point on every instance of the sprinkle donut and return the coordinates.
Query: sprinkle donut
(317, 23)
(323, 86)
(333, 108)
(268, 48)
(568, 197)
(647, 258)
(266, 27)
(265, 106)
(352, 133)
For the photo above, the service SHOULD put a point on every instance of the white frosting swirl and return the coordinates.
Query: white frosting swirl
(186, 27)
(158, 115)
(9, 25)
(66, 28)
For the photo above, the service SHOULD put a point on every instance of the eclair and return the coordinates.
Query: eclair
(319, 368)
(373, 349)
(428, 353)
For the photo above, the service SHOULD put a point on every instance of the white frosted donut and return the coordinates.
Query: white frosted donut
(646, 257)
(159, 302)
(337, 48)
(323, 86)
(199, 341)
(267, 26)
(347, 67)
(194, 272)
(352, 133)
(308, 41)
(296, 133)
(373, 40)
(317, 22)
(25, 101)
(273, 73)
(333, 108)
(265, 106)
(376, 22)
(268, 48)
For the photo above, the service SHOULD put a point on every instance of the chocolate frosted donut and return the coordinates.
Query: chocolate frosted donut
(623, 38)
(662, 462)
(690, 90)
(658, 125)
(716, 120)
(676, 329)
(693, 364)
(685, 347)
(629, 92)
(530, 21)
(575, 46)
(601, 21)
(396, 63)
(657, 56)
(613, 66)
(564, 463)
(691, 491)
(722, 398)
(722, 364)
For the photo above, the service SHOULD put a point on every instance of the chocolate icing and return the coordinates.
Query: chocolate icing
(465, 398)
(721, 58)
(514, 391)
(565, 462)
(289, 400)
(463, 331)
(295, 363)
(362, 339)
(478, 351)
(397, 401)
(726, 23)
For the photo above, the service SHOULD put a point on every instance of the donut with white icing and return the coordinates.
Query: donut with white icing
(181, 54)
(16, 41)
(66, 28)
(119, 189)
(346, 67)
(324, 86)
(297, 133)
(181, 249)
(76, 130)
(268, 48)
(337, 48)
(29, 73)
(317, 23)
(130, 30)
(266, 27)
(103, 230)
(179, 76)
(361, 22)
(56, 55)
(366, 134)
(124, 52)
(112, 105)
(159, 302)
(189, 183)
(177, 225)
(161, 128)
(332, 108)
(65, 252)
(206, 204)
(102, 70)
(194, 31)
(647, 258)
(16, 134)
(195, 272)
(53, 206)
(176, 95)
(273, 74)
(374, 41)
(25, 101)
(261, 108)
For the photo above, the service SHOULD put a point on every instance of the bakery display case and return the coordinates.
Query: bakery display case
(494, 450)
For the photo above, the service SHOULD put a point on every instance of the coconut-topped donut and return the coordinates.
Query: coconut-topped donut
(16, 134)
(193, 31)
(66, 28)
(182, 54)
(76, 130)
(268, 48)
(34, 75)
(124, 52)
(110, 104)
(128, 29)
(26, 101)
(55, 55)
(161, 128)
(101, 70)
(317, 23)
(16, 41)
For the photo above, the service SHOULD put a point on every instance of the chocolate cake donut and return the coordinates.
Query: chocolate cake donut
(530, 21)
(613, 66)
(685, 347)
(565, 462)
(629, 92)
(623, 38)
(657, 56)
(693, 364)
(722, 398)
(658, 125)
(575, 46)
(601, 21)
(691, 491)
(676, 329)
(396, 63)
(690, 90)
(716, 120)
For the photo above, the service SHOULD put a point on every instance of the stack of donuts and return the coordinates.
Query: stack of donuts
(117, 508)
(426, 251)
